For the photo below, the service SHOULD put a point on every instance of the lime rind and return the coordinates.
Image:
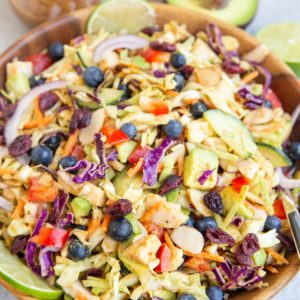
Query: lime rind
(21, 278)
(283, 39)
(119, 15)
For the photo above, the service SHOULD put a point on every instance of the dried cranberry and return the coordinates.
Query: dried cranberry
(119, 209)
(231, 67)
(171, 183)
(48, 100)
(166, 47)
(19, 244)
(149, 30)
(8, 111)
(250, 244)
(218, 236)
(238, 221)
(20, 145)
(241, 257)
(213, 201)
(187, 71)
(81, 119)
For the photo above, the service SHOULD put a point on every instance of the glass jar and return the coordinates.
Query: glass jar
(38, 11)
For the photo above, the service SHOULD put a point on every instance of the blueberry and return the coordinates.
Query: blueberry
(185, 297)
(41, 155)
(214, 293)
(93, 76)
(203, 224)
(127, 91)
(197, 109)
(178, 60)
(56, 51)
(36, 80)
(53, 142)
(268, 104)
(294, 150)
(129, 129)
(191, 220)
(180, 81)
(77, 251)
(272, 222)
(67, 162)
(120, 229)
(173, 129)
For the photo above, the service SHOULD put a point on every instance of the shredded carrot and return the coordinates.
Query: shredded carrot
(180, 165)
(38, 115)
(39, 123)
(279, 258)
(198, 264)
(18, 211)
(249, 77)
(71, 142)
(206, 255)
(160, 167)
(105, 223)
(191, 101)
(169, 242)
(135, 169)
(148, 214)
(7, 172)
(92, 226)
(171, 93)
(271, 269)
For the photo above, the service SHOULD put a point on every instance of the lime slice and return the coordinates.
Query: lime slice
(117, 15)
(283, 39)
(21, 278)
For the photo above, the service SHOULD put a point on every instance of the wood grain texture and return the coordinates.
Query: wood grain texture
(285, 84)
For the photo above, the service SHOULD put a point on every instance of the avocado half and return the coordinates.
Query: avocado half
(236, 12)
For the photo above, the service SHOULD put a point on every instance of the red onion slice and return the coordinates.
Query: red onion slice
(11, 127)
(287, 183)
(123, 41)
(5, 204)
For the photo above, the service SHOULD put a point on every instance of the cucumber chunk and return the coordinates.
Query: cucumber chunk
(232, 131)
(275, 155)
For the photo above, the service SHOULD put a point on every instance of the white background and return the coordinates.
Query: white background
(270, 11)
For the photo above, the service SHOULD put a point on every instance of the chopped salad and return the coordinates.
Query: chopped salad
(146, 166)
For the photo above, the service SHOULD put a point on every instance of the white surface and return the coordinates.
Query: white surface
(270, 11)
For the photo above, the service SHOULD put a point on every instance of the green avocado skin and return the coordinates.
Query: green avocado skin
(237, 12)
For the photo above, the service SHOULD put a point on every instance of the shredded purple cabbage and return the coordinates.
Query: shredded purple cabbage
(268, 78)
(232, 277)
(252, 102)
(91, 171)
(32, 247)
(46, 261)
(67, 221)
(100, 148)
(159, 73)
(152, 159)
(58, 208)
(112, 155)
(204, 176)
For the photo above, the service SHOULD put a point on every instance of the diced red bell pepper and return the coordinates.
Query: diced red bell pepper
(107, 130)
(239, 182)
(117, 137)
(53, 237)
(78, 152)
(164, 256)
(279, 209)
(42, 189)
(153, 228)
(198, 264)
(40, 62)
(151, 55)
(138, 153)
(272, 97)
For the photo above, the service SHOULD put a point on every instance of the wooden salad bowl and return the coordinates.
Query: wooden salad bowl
(284, 83)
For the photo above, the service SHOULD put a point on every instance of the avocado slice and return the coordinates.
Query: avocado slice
(232, 131)
(275, 155)
(236, 12)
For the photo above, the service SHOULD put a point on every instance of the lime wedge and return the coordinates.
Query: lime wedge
(117, 15)
(283, 39)
(21, 278)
